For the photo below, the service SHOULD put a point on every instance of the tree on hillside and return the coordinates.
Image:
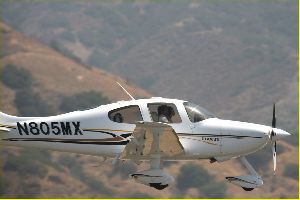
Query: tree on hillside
(292, 171)
(30, 103)
(15, 77)
(194, 176)
(83, 100)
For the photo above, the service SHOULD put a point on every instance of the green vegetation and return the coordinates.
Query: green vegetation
(29, 103)
(3, 30)
(97, 185)
(99, 59)
(31, 165)
(40, 155)
(194, 176)
(63, 50)
(68, 36)
(28, 188)
(15, 77)
(2, 53)
(76, 171)
(25, 166)
(291, 171)
(81, 101)
(55, 179)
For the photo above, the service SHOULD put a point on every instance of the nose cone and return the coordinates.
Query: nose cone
(280, 134)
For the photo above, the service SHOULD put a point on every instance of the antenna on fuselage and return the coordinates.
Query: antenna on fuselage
(126, 91)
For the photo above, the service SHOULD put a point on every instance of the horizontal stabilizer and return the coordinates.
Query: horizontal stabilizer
(4, 129)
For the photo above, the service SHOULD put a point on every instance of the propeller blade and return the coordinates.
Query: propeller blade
(274, 117)
(274, 156)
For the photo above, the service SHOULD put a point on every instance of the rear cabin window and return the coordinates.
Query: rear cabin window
(128, 114)
(164, 112)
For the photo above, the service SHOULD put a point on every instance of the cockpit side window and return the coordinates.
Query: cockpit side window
(128, 114)
(196, 113)
(164, 112)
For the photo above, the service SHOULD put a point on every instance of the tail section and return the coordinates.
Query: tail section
(7, 122)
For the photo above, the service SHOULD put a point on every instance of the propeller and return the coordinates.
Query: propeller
(273, 134)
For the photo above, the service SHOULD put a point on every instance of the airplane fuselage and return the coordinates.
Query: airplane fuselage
(97, 132)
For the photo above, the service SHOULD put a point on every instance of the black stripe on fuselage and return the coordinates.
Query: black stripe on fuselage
(212, 135)
(72, 141)
(7, 126)
(97, 131)
(125, 135)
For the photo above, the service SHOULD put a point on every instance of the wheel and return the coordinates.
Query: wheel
(247, 189)
(158, 186)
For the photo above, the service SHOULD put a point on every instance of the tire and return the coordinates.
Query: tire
(247, 189)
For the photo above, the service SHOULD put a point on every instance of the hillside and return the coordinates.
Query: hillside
(44, 63)
(55, 75)
(183, 50)
(234, 58)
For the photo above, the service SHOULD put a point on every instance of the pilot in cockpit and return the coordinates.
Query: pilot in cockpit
(165, 113)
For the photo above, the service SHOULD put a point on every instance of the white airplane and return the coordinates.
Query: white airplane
(155, 130)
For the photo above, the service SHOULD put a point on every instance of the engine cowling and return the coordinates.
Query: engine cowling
(248, 182)
(154, 178)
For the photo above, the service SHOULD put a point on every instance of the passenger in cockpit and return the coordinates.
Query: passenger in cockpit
(118, 118)
(165, 113)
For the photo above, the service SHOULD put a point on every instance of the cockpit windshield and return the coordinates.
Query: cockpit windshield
(196, 113)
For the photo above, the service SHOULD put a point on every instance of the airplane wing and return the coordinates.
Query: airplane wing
(151, 138)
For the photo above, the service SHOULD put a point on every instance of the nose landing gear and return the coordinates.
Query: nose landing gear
(248, 182)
